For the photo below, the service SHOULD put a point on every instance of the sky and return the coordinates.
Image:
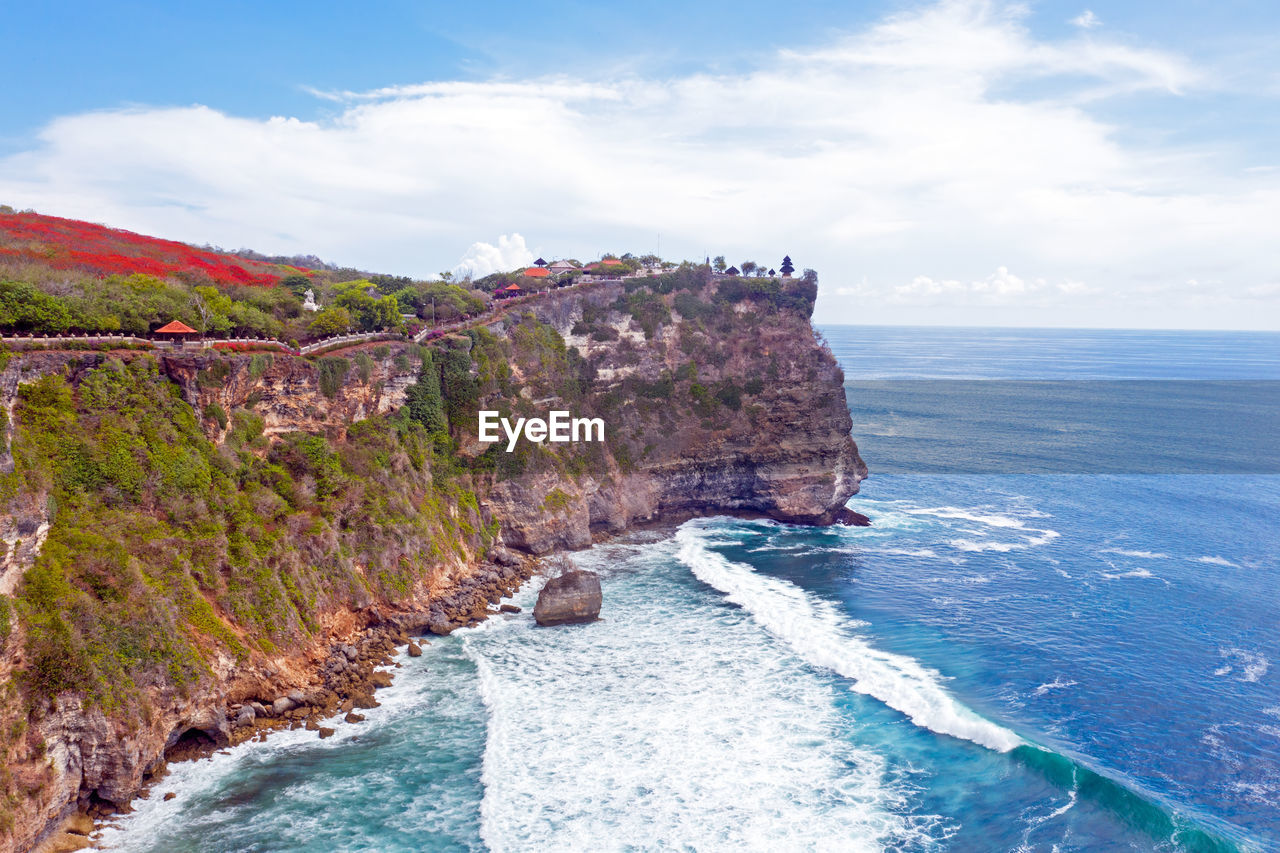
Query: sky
(956, 162)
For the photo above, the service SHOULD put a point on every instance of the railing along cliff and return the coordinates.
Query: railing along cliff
(335, 342)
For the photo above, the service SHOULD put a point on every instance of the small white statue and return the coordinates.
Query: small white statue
(309, 301)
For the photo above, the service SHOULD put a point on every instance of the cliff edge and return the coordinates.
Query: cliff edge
(190, 535)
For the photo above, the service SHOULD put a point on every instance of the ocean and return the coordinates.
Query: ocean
(1061, 632)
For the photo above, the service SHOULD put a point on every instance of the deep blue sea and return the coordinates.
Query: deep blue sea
(1060, 633)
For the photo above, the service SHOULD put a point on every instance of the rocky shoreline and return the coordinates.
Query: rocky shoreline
(346, 677)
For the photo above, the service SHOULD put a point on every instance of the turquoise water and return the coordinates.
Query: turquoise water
(1002, 661)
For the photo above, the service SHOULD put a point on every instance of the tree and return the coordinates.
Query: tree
(25, 308)
(385, 314)
(211, 308)
(333, 320)
(297, 284)
(203, 312)
(718, 263)
(748, 267)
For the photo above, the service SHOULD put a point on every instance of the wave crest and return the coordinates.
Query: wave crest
(816, 630)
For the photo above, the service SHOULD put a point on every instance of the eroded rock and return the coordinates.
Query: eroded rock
(569, 599)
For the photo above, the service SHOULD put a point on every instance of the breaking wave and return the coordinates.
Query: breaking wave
(817, 631)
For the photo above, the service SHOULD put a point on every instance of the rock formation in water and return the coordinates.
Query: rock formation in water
(569, 599)
(192, 537)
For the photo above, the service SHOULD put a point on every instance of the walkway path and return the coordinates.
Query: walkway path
(328, 345)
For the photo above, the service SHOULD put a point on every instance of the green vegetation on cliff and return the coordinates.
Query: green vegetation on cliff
(165, 549)
(41, 300)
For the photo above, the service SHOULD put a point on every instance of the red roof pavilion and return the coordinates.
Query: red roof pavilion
(175, 327)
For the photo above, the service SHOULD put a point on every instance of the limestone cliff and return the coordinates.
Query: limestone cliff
(778, 444)
(234, 522)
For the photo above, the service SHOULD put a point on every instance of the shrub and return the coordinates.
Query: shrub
(647, 309)
(333, 372)
(730, 395)
(364, 366)
(215, 375)
(260, 363)
(214, 412)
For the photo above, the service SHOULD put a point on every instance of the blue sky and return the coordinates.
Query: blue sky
(962, 161)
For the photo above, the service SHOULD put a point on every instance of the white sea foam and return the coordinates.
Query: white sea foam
(201, 785)
(1131, 573)
(1218, 561)
(675, 723)
(772, 547)
(903, 514)
(1253, 665)
(1035, 821)
(989, 519)
(902, 552)
(1056, 684)
(1038, 537)
(1142, 555)
(816, 630)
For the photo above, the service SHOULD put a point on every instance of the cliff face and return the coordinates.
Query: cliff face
(273, 509)
(771, 439)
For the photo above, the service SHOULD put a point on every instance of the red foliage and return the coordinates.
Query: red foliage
(237, 346)
(74, 245)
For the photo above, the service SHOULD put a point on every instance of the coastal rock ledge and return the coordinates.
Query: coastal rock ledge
(572, 598)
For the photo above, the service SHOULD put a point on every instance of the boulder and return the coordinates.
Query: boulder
(508, 608)
(365, 700)
(415, 650)
(283, 705)
(325, 732)
(569, 599)
(504, 557)
(353, 717)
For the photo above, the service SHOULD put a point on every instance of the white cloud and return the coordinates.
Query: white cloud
(1000, 288)
(1269, 291)
(948, 139)
(1086, 20)
(484, 258)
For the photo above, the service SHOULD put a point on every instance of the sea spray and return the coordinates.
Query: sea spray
(673, 723)
(818, 632)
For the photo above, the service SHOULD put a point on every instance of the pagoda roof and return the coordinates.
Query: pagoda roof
(175, 327)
